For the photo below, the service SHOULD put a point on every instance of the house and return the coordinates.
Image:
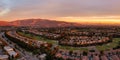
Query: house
(10, 51)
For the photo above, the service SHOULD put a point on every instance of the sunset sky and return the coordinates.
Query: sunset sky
(91, 11)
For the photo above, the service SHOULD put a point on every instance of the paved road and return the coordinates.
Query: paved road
(23, 53)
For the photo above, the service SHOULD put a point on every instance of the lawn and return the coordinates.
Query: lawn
(109, 45)
(52, 41)
(73, 48)
(38, 38)
(103, 47)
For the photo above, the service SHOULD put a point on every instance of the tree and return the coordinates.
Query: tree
(70, 53)
(85, 53)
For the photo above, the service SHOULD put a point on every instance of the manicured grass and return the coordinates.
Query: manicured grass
(44, 39)
(52, 41)
(103, 47)
(73, 48)
(109, 45)
(38, 38)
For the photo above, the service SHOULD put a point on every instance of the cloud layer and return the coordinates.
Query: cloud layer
(4, 7)
(63, 8)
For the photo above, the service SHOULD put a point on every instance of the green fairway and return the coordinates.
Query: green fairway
(108, 46)
(73, 48)
(38, 38)
(51, 41)
(103, 47)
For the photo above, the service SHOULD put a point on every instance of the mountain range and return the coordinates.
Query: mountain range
(38, 23)
(48, 23)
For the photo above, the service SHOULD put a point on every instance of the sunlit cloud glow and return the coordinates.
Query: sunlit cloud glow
(4, 7)
(80, 11)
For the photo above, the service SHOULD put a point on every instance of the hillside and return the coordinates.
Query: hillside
(3, 23)
(39, 23)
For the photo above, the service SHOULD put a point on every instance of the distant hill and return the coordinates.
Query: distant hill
(4, 23)
(39, 23)
(49, 23)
